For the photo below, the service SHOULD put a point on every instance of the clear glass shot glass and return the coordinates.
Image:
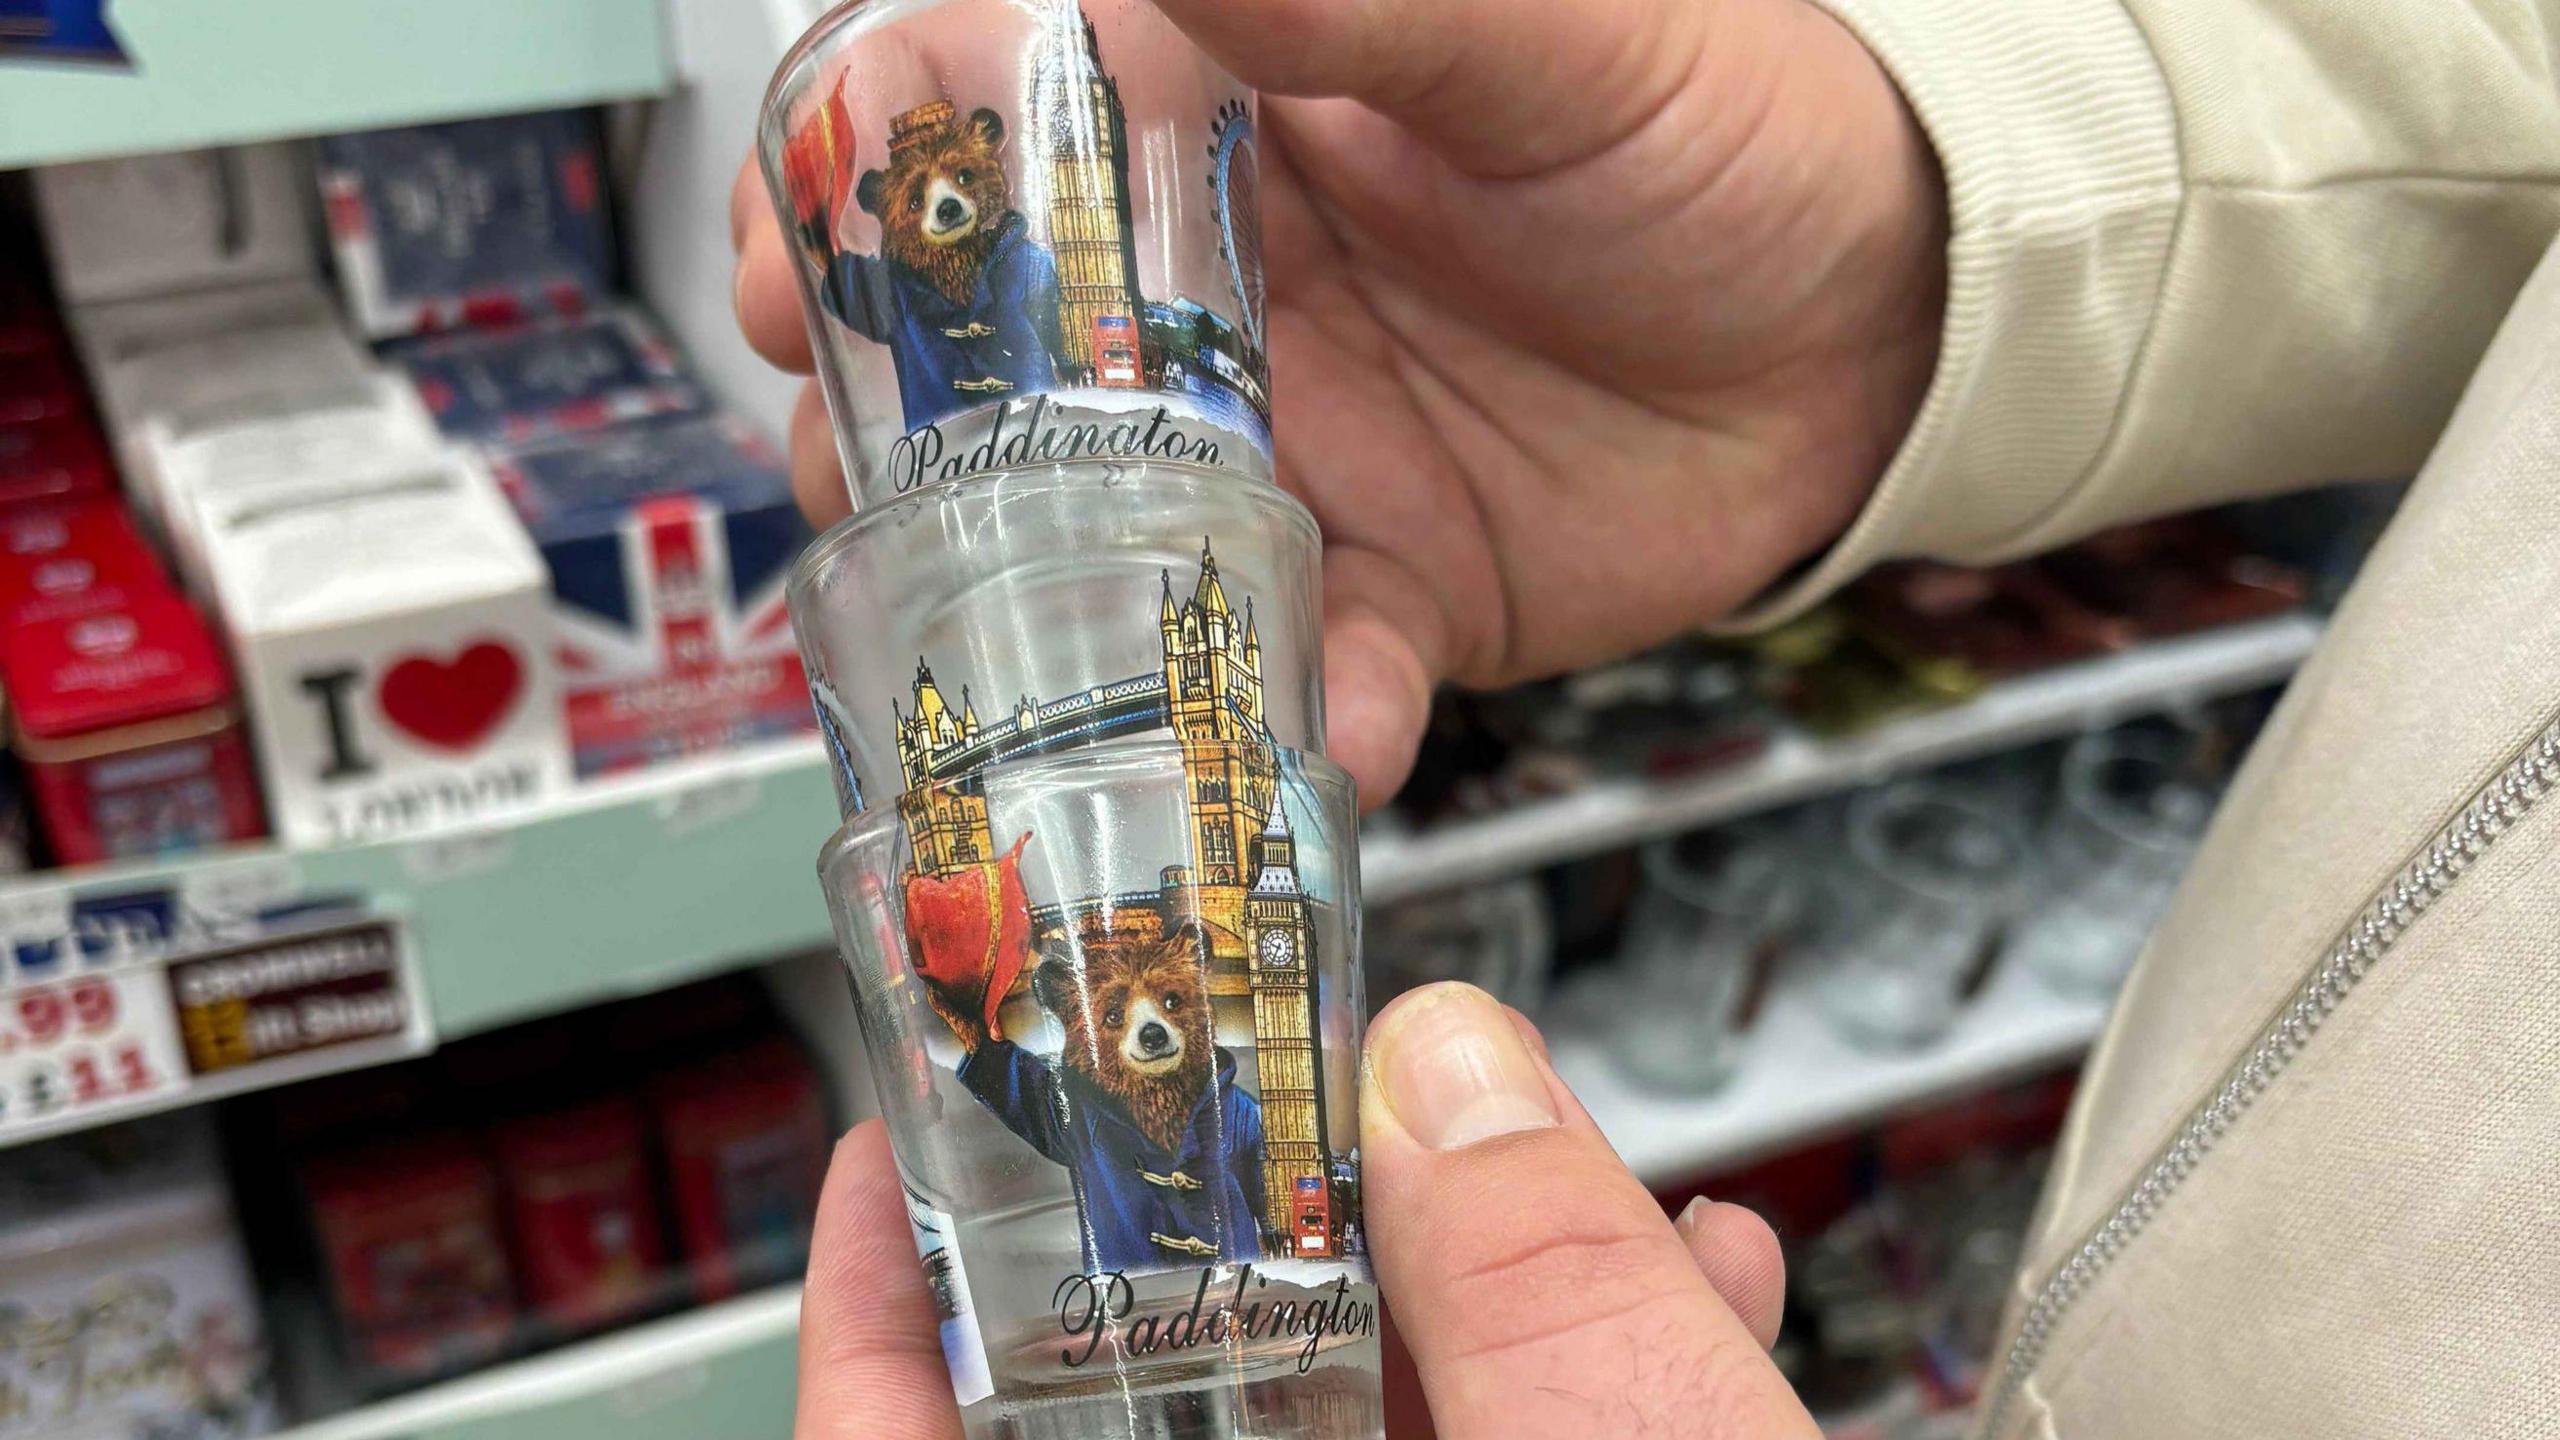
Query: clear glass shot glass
(1033, 611)
(1914, 909)
(1496, 937)
(1025, 231)
(1714, 918)
(1112, 1002)
(2126, 821)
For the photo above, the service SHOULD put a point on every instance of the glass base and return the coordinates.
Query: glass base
(1337, 1401)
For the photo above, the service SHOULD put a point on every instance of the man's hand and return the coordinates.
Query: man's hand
(1538, 1287)
(1587, 321)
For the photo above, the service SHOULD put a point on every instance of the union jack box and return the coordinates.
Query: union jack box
(668, 542)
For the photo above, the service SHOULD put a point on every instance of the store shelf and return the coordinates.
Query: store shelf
(1798, 1081)
(632, 887)
(725, 1370)
(1796, 767)
(212, 74)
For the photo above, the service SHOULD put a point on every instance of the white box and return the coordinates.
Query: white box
(391, 631)
(176, 224)
(379, 424)
(188, 363)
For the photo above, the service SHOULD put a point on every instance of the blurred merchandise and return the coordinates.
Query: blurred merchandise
(1494, 937)
(668, 542)
(126, 1306)
(746, 1140)
(174, 369)
(395, 647)
(130, 732)
(525, 1187)
(72, 558)
(413, 1254)
(523, 382)
(50, 445)
(2126, 821)
(589, 1247)
(1921, 889)
(1718, 911)
(175, 223)
(73, 31)
(1675, 711)
(475, 222)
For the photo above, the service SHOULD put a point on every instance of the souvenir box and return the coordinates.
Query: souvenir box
(667, 543)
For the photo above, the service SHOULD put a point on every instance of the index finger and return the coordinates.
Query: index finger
(768, 293)
(870, 1350)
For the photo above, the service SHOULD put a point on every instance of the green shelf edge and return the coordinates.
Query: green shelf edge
(208, 73)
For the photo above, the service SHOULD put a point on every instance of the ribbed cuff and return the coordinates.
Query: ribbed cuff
(2059, 141)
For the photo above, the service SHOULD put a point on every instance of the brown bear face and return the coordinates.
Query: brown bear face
(941, 199)
(1137, 1019)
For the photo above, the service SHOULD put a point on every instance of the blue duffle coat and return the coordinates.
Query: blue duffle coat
(1146, 1208)
(955, 354)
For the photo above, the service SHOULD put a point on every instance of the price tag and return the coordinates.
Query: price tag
(297, 1003)
(94, 1042)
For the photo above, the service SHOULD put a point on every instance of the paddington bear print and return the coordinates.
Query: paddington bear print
(1047, 262)
(963, 297)
(1091, 1029)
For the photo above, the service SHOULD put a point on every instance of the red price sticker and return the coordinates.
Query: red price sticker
(90, 1043)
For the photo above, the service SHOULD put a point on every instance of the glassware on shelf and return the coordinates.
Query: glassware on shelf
(1495, 937)
(2130, 813)
(1914, 909)
(1717, 910)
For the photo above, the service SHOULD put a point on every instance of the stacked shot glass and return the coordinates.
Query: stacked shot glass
(1097, 885)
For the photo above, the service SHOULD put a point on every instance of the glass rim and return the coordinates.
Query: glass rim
(849, 534)
(882, 821)
(1939, 887)
(1659, 862)
(2083, 796)
(788, 67)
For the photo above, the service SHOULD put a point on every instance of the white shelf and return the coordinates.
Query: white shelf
(725, 1370)
(1798, 1081)
(1797, 767)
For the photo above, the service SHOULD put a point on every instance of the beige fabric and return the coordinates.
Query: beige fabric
(2360, 188)
(2201, 249)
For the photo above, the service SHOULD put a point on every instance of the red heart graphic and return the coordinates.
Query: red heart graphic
(453, 705)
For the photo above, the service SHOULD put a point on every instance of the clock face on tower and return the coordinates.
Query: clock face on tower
(1279, 949)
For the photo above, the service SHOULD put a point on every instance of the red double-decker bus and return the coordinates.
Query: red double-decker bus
(1311, 1208)
(1115, 352)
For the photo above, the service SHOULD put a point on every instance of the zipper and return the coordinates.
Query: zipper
(2492, 810)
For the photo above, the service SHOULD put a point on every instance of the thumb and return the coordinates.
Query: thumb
(1539, 1286)
(1504, 86)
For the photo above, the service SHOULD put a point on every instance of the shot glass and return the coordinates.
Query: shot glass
(1708, 930)
(1915, 910)
(2126, 822)
(1118, 1058)
(1495, 937)
(1035, 611)
(1025, 231)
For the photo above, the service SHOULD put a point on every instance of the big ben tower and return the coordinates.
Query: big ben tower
(1213, 701)
(1078, 120)
(1280, 960)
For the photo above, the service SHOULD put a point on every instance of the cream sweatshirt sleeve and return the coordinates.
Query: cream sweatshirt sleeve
(2201, 250)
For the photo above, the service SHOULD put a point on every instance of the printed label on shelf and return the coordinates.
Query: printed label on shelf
(96, 1042)
(268, 1004)
(454, 857)
(57, 933)
(708, 803)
